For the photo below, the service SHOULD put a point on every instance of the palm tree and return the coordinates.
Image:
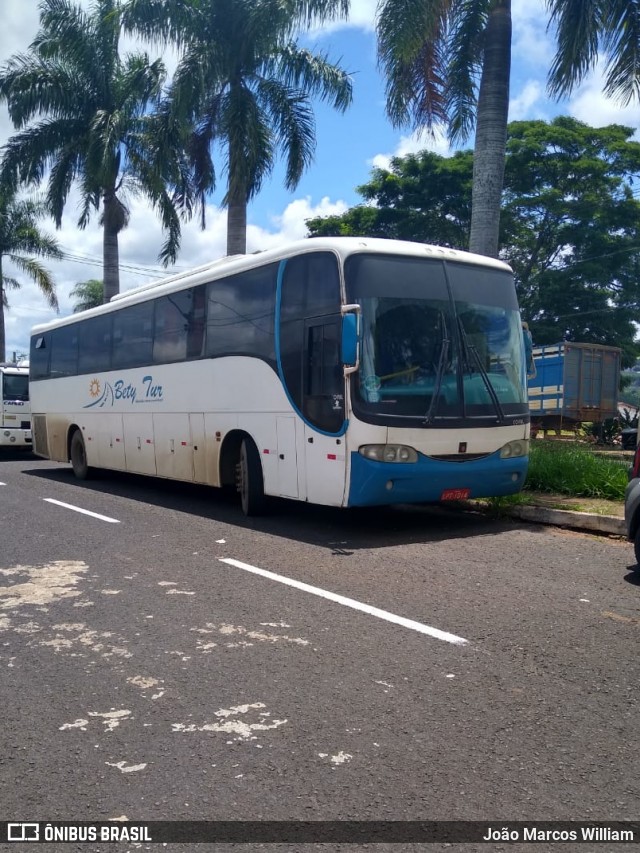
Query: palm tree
(449, 61)
(82, 115)
(243, 84)
(584, 32)
(88, 294)
(20, 240)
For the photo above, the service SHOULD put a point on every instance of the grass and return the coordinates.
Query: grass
(573, 469)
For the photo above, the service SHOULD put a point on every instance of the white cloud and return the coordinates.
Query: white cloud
(417, 141)
(362, 14)
(139, 246)
(531, 94)
(590, 105)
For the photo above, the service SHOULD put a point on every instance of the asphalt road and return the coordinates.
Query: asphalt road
(165, 658)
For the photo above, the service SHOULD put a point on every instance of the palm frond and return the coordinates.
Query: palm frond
(291, 114)
(313, 74)
(411, 39)
(464, 56)
(578, 24)
(38, 274)
(621, 43)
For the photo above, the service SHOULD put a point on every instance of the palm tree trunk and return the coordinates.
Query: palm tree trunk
(110, 256)
(3, 343)
(491, 132)
(236, 204)
(237, 226)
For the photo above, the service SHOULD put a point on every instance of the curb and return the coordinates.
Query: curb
(609, 524)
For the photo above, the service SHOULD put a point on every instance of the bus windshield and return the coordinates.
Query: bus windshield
(15, 387)
(440, 341)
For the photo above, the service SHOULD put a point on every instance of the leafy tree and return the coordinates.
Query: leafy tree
(570, 224)
(245, 85)
(423, 197)
(450, 61)
(20, 240)
(572, 230)
(82, 115)
(88, 294)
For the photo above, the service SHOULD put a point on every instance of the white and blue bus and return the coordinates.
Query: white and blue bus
(344, 372)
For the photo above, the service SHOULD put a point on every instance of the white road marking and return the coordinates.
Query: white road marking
(83, 511)
(350, 602)
(3, 484)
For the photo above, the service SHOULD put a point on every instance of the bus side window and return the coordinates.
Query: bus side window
(95, 345)
(39, 357)
(132, 336)
(171, 327)
(64, 351)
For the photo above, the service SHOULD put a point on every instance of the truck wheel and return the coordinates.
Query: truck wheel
(79, 456)
(250, 483)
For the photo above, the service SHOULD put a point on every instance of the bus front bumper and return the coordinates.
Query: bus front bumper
(15, 437)
(433, 480)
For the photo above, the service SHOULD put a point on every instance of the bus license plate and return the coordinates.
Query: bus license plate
(455, 494)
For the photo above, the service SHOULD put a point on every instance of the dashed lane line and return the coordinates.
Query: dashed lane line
(83, 511)
(350, 602)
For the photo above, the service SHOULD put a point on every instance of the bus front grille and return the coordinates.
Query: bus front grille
(460, 457)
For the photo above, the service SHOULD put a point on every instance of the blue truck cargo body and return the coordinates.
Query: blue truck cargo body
(574, 382)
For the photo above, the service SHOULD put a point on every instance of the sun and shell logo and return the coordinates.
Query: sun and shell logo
(100, 396)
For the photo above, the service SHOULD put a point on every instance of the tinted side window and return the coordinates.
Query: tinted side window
(132, 336)
(240, 314)
(95, 345)
(310, 288)
(64, 351)
(179, 325)
(39, 356)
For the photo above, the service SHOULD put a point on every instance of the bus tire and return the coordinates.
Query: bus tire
(78, 455)
(250, 482)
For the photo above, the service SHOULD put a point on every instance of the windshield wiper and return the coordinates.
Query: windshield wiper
(444, 351)
(469, 348)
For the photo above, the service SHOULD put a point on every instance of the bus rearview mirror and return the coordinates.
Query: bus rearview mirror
(349, 339)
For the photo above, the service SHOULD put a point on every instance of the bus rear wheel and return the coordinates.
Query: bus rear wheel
(249, 479)
(78, 455)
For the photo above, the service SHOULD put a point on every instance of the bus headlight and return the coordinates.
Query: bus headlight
(388, 452)
(511, 449)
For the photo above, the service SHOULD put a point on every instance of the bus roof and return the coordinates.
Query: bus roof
(233, 264)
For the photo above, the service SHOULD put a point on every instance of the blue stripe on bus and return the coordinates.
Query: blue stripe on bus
(345, 423)
(425, 480)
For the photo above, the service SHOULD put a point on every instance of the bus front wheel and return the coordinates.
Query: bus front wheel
(250, 484)
(78, 455)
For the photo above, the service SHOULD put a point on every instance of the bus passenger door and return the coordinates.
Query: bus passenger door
(324, 411)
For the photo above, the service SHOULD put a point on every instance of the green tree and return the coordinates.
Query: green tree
(422, 197)
(450, 61)
(21, 240)
(588, 31)
(570, 224)
(572, 230)
(82, 115)
(245, 85)
(88, 294)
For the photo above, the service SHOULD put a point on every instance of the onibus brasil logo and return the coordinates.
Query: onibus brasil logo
(106, 394)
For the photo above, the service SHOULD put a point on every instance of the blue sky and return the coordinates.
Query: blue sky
(348, 145)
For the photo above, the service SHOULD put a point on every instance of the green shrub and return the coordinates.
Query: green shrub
(573, 469)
